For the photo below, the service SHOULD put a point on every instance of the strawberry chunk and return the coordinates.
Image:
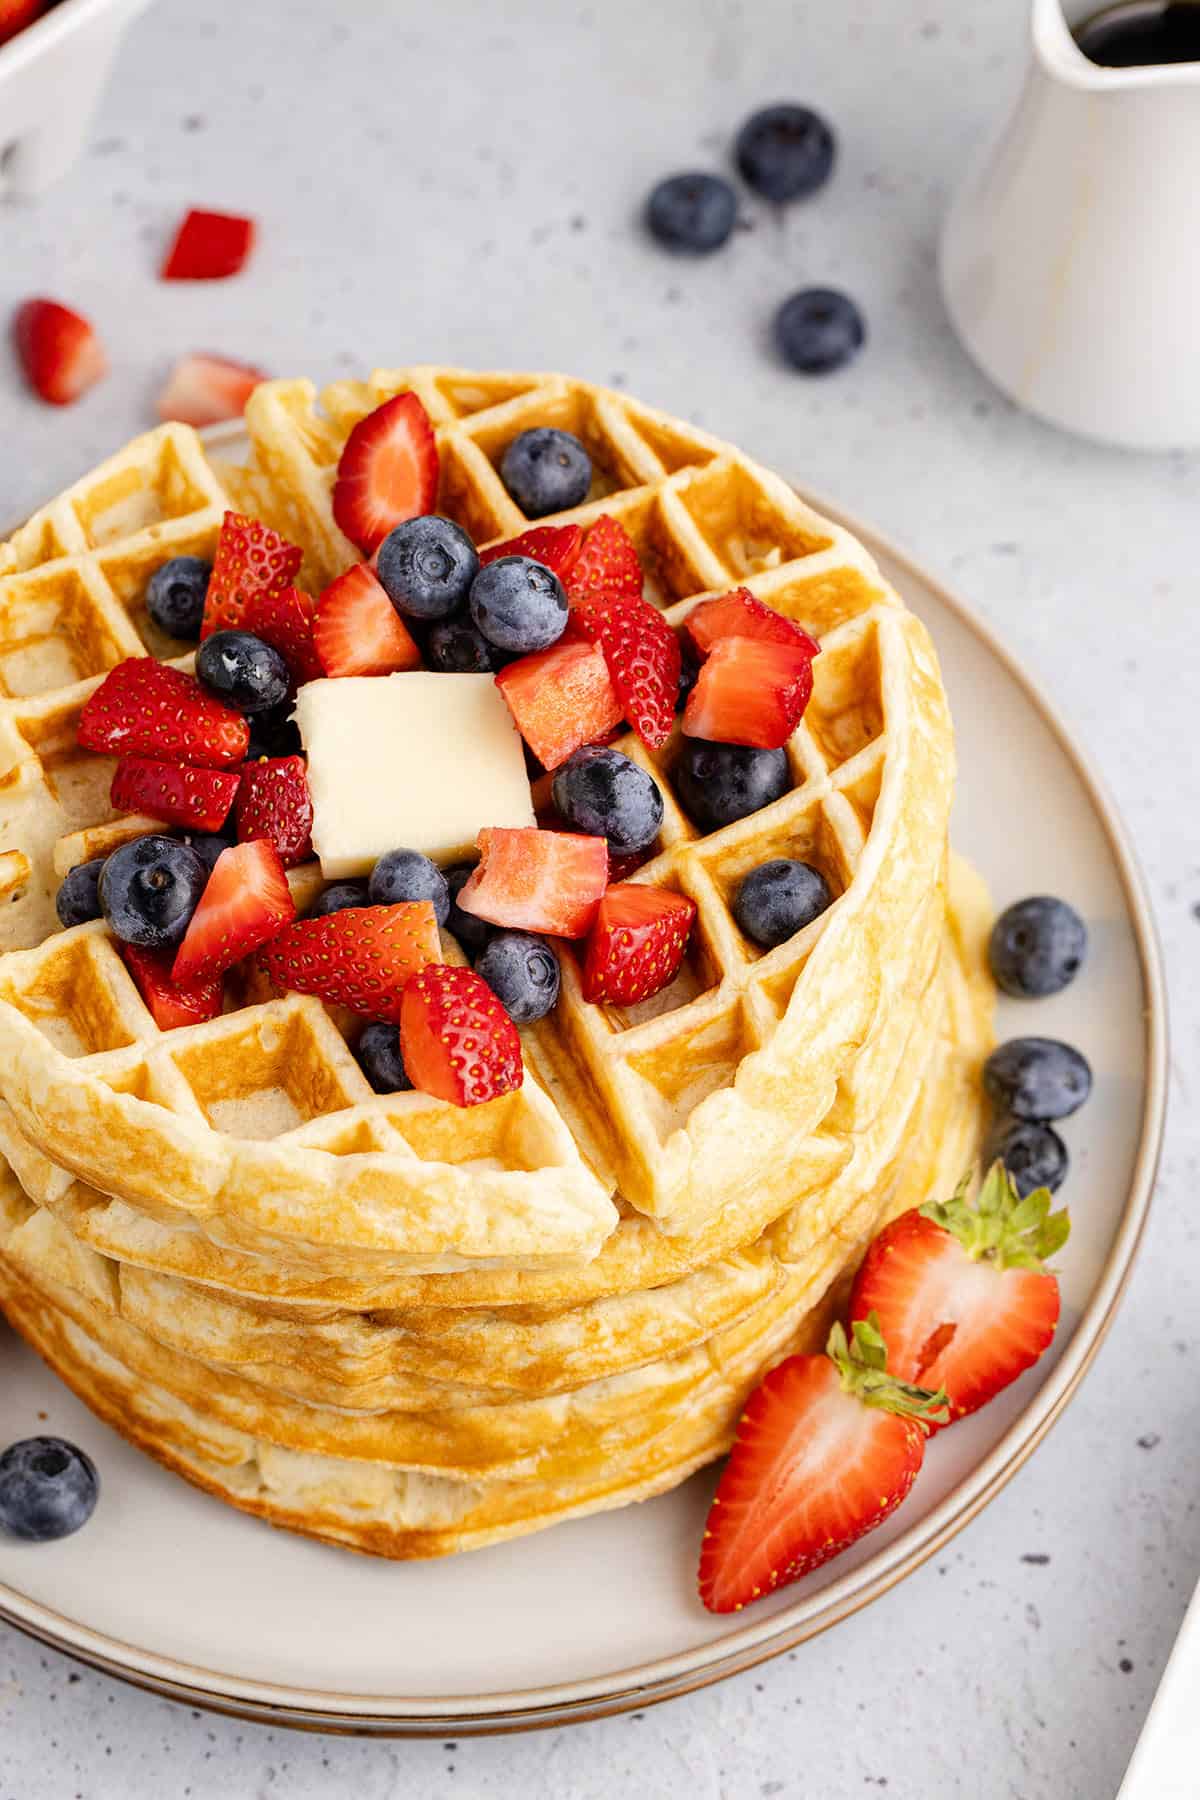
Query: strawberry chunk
(637, 943)
(144, 708)
(251, 560)
(749, 691)
(208, 246)
(556, 547)
(246, 902)
(59, 351)
(388, 472)
(204, 390)
(607, 563)
(357, 629)
(15, 15)
(643, 657)
(197, 798)
(561, 698)
(457, 1041)
(360, 958)
(287, 621)
(740, 614)
(170, 1004)
(537, 880)
(273, 802)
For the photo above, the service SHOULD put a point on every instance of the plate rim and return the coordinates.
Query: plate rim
(669, 1677)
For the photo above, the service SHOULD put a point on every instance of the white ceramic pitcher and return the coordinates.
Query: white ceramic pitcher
(1070, 258)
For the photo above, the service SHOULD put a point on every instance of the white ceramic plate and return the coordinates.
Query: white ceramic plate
(173, 1590)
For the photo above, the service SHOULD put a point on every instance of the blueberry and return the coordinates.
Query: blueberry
(208, 845)
(427, 566)
(240, 669)
(455, 647)
(689, 669)
(472, 933)
(819, 329)
(718, 783)
(518, 604)
(546, 471)
(785, 151)
(1037, 1078)
(1037, 947)
(78, 899)
(341, 897)
(1034, 1155)
(379, 1058)
(522, 971)
(605, 794)
(691, 212)
(175, 595)
(407, 875)
(149, 890)
(274, 733)
(48, 1489)
(780, 898)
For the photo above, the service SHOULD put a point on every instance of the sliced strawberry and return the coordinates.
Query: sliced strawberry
(15, 15)
(287, 620)
(388, 472)
(826, 1450)
(750, 692)
(643, 657)
(456, 1039)
(208, 246)
(607, 564)
(358, 631)
(637, 943)
(273, 802)
(197, 798)
(739, 614)
(556, 547)
(962, 1292)
(59, 351)
(169, 1004)
(561, 698)
(204, 390)
(360, 958)
(251, 560)
(246, 902)
(144, 708)
(537, 880)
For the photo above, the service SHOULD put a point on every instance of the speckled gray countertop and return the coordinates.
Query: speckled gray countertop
(455, 182)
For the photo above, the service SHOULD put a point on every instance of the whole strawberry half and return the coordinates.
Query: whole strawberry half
(358, 631)
(170, 1004)
(561, 698)
(245, 902)
(962, 1292)
(387, 472)
(59, 351)
(144, 708)
(287, 621)
(826, 1449)
(456, 1039)
(643, 657)
(740, 614)
(749, 691)
(607, 563)
(556, 547)
(250, 560)
(533, 880)
(360, 958)
(273, 802)
(637, 944)
(197, 798)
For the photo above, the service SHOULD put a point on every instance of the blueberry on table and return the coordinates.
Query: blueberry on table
(426, 567)
(175, 596)
(694, 211)
(48, 1489)
(819, 330)
(1037, 1078)
(546, 471)
(242, 670)
(785, 152)
(606, 794)
(1034, 1155)
(1037, 947)
(518, 604)
(340, 896)
(472, 933)
(379, 1058)
(149, 890)
(456, 647)
(407, 875)
(718, 783)
(522, 971)
(78, 899)
(780, 898)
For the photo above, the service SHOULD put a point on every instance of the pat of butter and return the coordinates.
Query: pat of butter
(414, 762)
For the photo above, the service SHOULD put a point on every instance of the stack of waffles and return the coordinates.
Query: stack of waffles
(413, 1329)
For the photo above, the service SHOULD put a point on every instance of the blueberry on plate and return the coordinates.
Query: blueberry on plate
(718, 783)
(149, 890)
(426, 567)
(546, 470)
(785, 151)
(340, 896)
(240, 669)
(1037, 947)
(694, 211)
(48, 1489)
(522, 971)
(1034, 1155)
(456, 647)
(819, 330)
(208, 845)
(472, 933)
(78, 899)
(407, 875)
(606, 794)
(518, 604)
(175, 595)
(1037, 1078)
(780, 898)
(379, 1058)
